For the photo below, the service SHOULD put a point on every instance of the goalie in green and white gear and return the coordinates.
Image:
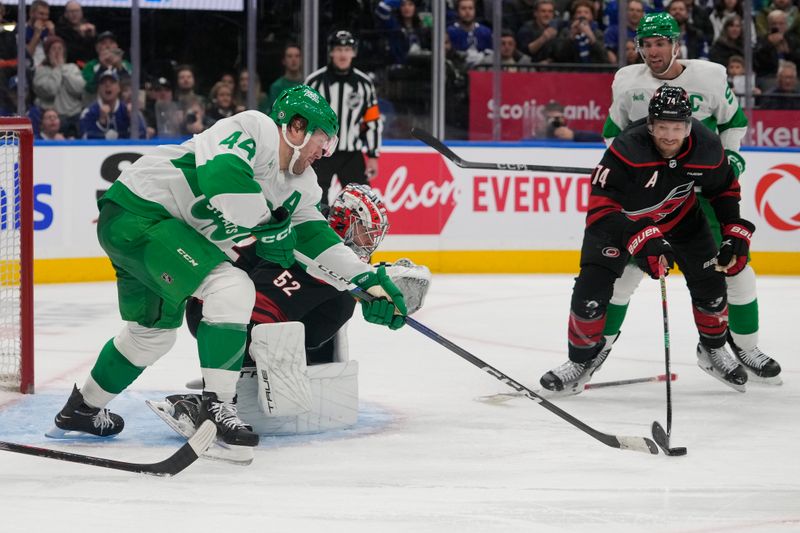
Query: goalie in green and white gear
(715, 105)
(171, 224)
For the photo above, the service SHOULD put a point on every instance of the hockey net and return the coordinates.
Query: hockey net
(16, 254)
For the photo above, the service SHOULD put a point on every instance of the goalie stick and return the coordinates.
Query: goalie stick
(502, 397)
(440, 147)
(639, 444)
(172, 465)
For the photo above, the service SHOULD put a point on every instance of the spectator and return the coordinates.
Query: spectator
(39, 28)
(50, 126)
(581, 41)
(186, 84)
(8, 43)
(108, 117)
(262, 104)
(729, 43)
(736, 78)
(510, 57)
(698, 17)
(292, 72)
(457, 89)
(692, 41)
(554, 125)
(228, 79)
(786, 93)
(222, 104)
(59, 85)
(723, 8)
(635, 13)
(78, 34)
(778, 44)
(195, 120)
(109, 56)
(467, 35)
(537, 37)
(763, 25)
(403, 28)
(632, 55)
(167, 113)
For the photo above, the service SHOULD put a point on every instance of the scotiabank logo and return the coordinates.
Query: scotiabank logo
(767, 189)
(418, 190)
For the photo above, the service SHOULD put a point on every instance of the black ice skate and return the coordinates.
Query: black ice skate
(77, 417)
(718, 363)
(570, 377)
(759, 366)
(179, 411)
(230, 428)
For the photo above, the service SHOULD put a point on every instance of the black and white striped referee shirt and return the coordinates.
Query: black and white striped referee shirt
(352, 96)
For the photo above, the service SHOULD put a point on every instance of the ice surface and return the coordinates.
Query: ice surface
(425, 455)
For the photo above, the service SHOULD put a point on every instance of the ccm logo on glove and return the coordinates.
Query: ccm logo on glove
(268, 239)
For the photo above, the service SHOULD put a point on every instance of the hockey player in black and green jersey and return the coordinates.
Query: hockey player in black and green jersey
(715, 106)
(172, 224)
(643, 206)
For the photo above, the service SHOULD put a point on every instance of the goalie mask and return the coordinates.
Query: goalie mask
(359, 217)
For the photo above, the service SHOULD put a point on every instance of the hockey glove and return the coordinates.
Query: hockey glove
(651, 250)
(388, 308)
(275, 241)
(732, 256)
(736, 162)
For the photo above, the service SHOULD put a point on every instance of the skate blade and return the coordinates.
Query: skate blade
(227, 453)
(56, 432)
(710, 372)
(775, 381)
(165, 410)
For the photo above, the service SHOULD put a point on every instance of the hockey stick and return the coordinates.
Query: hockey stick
(502, 397)
(439, 146)
(172, 465)
(639, 444)
(659, 435)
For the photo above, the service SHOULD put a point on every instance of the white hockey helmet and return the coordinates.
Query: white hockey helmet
(359, 217)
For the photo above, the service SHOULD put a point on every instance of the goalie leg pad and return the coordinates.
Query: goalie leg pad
(280, 355)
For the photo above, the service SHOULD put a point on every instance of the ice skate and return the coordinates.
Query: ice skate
(760, 367)
(718, 363)
(569, 378)
(77, 418)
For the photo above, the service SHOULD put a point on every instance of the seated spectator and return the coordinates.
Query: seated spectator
(195, 120)
(698, 18)
(582, 40)
(167, 113)
(108, 117)
(109, 56)
(50, 126)
(228, 79)
(403, 28)
(510, 57)
(554, 125)
(729, 43)
(39, 27)
(764, 27)
(186, 84)
(723, 8)
(692, 41)
(736, 78)
(786, 93)
(222, 104)
(537, 37)
(467, 35)
(59, 85)
(632, 55)
(635, 13)
(292, 73)
(244, 85)
(78, 34)
(778, 44)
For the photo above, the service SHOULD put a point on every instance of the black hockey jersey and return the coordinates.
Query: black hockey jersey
(633, 181)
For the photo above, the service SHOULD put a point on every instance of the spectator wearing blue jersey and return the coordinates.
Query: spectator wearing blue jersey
(108, 117)
(467, 35)
(635, 13)
(404, 28)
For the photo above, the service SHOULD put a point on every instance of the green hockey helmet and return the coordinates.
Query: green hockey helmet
(657, 25)
(308, 103)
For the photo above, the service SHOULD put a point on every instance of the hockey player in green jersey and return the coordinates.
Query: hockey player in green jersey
(171, 225)
(715, 105)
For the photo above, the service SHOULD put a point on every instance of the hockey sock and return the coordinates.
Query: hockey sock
(743, 322)
(615, 316)
(112, 372)
(221, 350)
(711, 319)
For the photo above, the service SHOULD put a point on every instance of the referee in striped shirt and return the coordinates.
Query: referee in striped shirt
(351, 94)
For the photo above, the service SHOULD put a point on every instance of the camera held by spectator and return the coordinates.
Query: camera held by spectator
(555, 126)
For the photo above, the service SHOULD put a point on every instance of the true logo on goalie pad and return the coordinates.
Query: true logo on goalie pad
(266, 390)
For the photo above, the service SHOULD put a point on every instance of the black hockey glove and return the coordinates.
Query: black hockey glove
(647, 245)
(732, 256)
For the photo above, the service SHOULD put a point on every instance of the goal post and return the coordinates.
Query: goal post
(16, 254)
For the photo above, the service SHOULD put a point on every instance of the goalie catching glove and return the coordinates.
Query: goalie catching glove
(732, 256)
(275, 241)
(647, 245)
(388, 307)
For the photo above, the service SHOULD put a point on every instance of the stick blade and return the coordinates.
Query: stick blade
(662, 439)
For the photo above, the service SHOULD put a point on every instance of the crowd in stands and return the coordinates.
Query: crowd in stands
(79, 74)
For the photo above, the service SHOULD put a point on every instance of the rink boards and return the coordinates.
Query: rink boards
(450, 218)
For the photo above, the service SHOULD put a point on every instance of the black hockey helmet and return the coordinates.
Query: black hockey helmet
(670, 103)
(342, 38)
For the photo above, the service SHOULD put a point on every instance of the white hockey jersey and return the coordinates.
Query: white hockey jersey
(713, 101)
(224, 181)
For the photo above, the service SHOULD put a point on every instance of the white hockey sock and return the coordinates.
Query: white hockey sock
(220, 382)
(94, 395)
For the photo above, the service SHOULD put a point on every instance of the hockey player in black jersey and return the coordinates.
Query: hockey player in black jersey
(643, 205)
